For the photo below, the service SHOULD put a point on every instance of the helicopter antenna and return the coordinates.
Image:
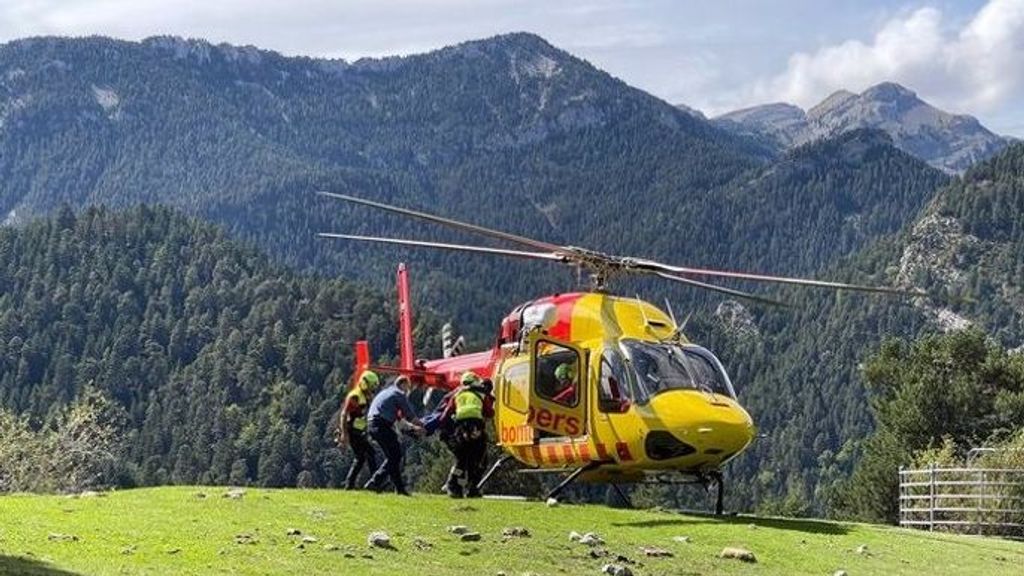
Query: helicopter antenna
(643, 314)
(671, 314)
(602, 267)
(679, 328)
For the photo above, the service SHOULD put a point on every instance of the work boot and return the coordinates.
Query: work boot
(453, 490)
(453, 485)
(474, 492)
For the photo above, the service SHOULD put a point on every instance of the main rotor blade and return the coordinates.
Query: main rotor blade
(535, 244)
(443, 246)
(659, 267)
(722, 289)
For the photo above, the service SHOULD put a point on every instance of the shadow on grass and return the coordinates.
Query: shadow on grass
(806, 526)
(23, 566)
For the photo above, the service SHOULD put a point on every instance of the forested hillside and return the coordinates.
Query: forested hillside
(802, 376)
(509, 131)
(816, 205)
(228, 367)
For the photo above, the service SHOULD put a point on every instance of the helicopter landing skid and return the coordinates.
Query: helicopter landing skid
(705, 479)
(720, 492)
(553, 494)
(494, 468)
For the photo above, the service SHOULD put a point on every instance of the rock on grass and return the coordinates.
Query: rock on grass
(738, 554)
(616, 570)
(379, 540)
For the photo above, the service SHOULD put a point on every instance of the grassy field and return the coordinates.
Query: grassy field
(200, 531)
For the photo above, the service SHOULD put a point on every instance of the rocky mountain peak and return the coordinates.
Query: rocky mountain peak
(775, 112)
(947, 141)
(518, 43)
(834, 100)
(781, 123)
(888, 92)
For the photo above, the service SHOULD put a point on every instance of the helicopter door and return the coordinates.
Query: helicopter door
(558, 388)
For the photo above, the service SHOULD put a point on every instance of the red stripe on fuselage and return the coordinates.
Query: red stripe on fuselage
(567, 452)
(564, 304)
(584, 452)
(622, 449)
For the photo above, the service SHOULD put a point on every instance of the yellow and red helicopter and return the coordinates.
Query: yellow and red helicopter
(602, 388)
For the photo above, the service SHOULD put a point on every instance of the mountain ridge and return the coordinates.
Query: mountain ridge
(951, 142)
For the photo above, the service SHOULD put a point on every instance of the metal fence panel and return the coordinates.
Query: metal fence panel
(967, 500)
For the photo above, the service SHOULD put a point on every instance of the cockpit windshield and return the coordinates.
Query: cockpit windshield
(668, 366)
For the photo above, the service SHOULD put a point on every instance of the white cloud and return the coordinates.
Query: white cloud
(978, 67)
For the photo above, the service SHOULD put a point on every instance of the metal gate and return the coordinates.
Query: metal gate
(966, 500)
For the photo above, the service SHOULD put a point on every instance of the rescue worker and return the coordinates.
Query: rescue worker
(470, 404)
(387, 408)
(352, 428)
(565, 384)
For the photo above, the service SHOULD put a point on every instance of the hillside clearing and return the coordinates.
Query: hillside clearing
(197, 530)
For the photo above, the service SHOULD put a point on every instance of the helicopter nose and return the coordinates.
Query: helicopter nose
(710, 425)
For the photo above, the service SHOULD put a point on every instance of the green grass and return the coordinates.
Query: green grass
(174, 531)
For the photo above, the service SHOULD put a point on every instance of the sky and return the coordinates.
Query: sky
(964, 56)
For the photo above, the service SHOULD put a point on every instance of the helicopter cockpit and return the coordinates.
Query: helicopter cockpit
(645, 369)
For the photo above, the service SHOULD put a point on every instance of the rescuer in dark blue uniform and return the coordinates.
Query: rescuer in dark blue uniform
(388, 407)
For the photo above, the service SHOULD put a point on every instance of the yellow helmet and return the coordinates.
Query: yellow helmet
(368, 381)
(565, 372)
(469, 378)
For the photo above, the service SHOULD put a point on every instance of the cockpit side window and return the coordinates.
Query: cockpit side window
(613, 394)
(557, 373)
